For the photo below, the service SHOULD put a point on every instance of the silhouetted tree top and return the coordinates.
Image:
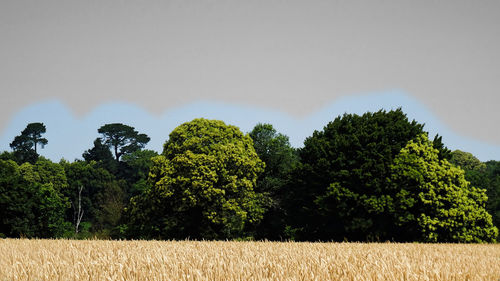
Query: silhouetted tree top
(122, 139)
(25, 145)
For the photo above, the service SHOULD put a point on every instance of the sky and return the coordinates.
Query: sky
(76, 65)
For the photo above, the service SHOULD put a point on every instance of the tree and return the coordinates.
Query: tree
(275, 150)
(340, 189)
(202, 186)
(111, 204)
(434, 202)
(78, 211)
(25, 145)
(487, 177)
(50, 185)
(482, 175)
(5, 155)
(280, 158)
(122, 139)
(32, 202)
(15, 205)
(99, 188)
(466, 161)
(135, 170)
(102, 156)
(492, 185)
(31, 135)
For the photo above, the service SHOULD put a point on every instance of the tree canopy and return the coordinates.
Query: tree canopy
(466, 161)
(434, 202)
(341, 187)
(25, 145)
(102, 198)
(32, 203)
(122, 139)
(370, 177)
(203, 183)
(280, 158)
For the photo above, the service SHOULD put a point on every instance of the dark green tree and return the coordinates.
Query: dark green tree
(492, 184)
(444, 152)
(433, 201)
(32, 200)
(99, 190)
(7, 156)
(482, 175)
(280, 158)
(49, 182)
(341, 189)
(202, 186)
(122, 139)
(101, 154)
(15, 202)
(487, 176)
(25, 145)
(135, 170)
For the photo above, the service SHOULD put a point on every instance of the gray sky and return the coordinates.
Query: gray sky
(290, 56)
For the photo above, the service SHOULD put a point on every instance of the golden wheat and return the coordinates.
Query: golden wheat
(22, 259)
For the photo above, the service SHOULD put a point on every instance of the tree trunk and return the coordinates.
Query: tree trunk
(79, 214)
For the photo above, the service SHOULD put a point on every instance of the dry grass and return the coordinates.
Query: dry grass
(188, 260)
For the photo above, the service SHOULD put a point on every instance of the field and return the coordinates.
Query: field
(22, 259)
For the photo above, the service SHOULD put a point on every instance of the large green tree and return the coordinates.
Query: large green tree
(340, 190)
(50, 184)
(122, 139)
(202, 186)
(15, 205)
(25, 145)
(32, 199)
(433, 201)
(280, 158)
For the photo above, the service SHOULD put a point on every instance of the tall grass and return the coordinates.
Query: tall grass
(22, 259)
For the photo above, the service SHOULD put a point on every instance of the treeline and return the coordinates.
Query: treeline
(374, 177)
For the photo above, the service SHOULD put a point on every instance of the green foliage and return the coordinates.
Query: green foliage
(32, 199)
(49, 183)
(482, 175)
(15, 206)
(434, 202)
(111, 204)
(488, 178)
(102, 195)
(135, 170)
(101, 154)
(466, 161)
(7, 156)
(280, 158)
(125, 178)
(202, 186)
(444, 152)
(122, 139)
(492, 185)
(25, 145)
(31, 136)
(341, 188)
(370, 177)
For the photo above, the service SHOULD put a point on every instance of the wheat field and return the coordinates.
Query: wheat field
(23, 259)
